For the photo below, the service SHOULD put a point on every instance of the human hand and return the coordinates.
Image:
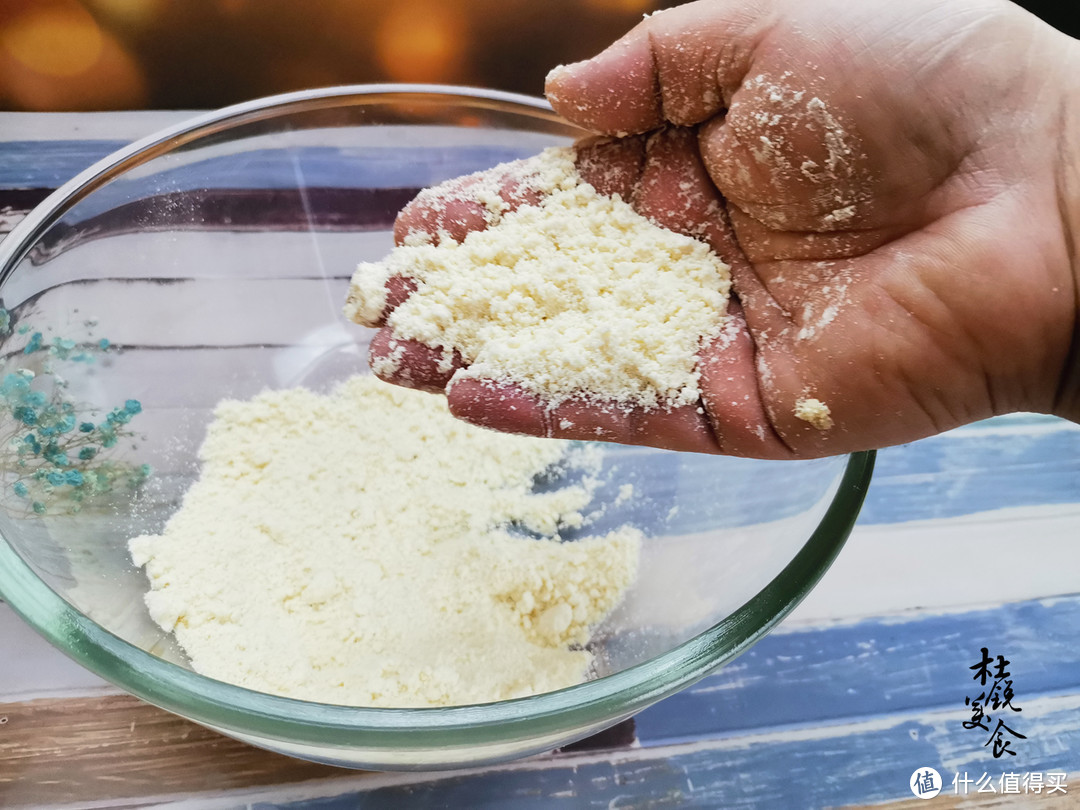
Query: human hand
(899, 203)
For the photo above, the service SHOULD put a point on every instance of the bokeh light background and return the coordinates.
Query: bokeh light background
(199, 54)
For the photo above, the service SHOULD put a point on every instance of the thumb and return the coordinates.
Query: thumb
(680, 66)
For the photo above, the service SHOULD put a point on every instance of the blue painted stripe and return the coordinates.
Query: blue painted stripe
(711, 492)
(333, 167)
(892, 691)
(863, 767)
(961, 472)
(974, 470)
(48, 164)
(873, 668)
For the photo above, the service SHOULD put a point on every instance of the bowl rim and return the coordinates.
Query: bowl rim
(232, 708)
(21, 238)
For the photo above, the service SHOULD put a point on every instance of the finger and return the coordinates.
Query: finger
(675, 191)
(395, 290)
(453, 210)
(793, 161)
(447, 211)
(731, 395)
(458, 207)
(510, 409)
(411, 364)
(611, 165)
(461, 206)
(678, 66)
(450, 210)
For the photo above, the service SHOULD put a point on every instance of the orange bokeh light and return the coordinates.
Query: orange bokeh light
(128, 13)
(59, 41)
(54, 56)
(421, 42)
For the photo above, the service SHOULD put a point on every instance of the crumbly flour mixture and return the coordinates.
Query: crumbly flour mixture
(577, 295)
(356, 548)
(815, 412)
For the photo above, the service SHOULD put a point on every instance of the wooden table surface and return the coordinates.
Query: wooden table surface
(967, 540)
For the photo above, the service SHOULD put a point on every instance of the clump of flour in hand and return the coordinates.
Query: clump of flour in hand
(355, 548)
(576, 295)
(815, 412)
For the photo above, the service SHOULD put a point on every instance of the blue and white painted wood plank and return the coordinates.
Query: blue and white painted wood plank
(837, 715)
(889, 667)
(852, 765)
(1009, 461)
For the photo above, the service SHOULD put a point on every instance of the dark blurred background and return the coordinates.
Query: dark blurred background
(196, 54)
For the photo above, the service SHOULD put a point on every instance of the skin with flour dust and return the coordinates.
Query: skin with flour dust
(896, 189)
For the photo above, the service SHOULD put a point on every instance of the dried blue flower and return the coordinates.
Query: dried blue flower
(61, 347)
(119, 416)
(49, 480)
(25, 414)
(54, 455)
(108, 434)
(15, 385)
(33, 344)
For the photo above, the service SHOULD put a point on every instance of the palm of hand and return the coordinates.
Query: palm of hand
(862, 219)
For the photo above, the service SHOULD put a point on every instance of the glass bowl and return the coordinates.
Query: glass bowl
(211, 260)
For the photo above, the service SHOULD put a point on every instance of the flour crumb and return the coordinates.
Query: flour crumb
(577, 295)
(389, 364)
(367, 308)
(815, 412)
(366, 548)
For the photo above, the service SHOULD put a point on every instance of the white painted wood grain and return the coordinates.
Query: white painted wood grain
(87, 126)
(1006, 555)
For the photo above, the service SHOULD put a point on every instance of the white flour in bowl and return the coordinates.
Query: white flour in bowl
(356, 548)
